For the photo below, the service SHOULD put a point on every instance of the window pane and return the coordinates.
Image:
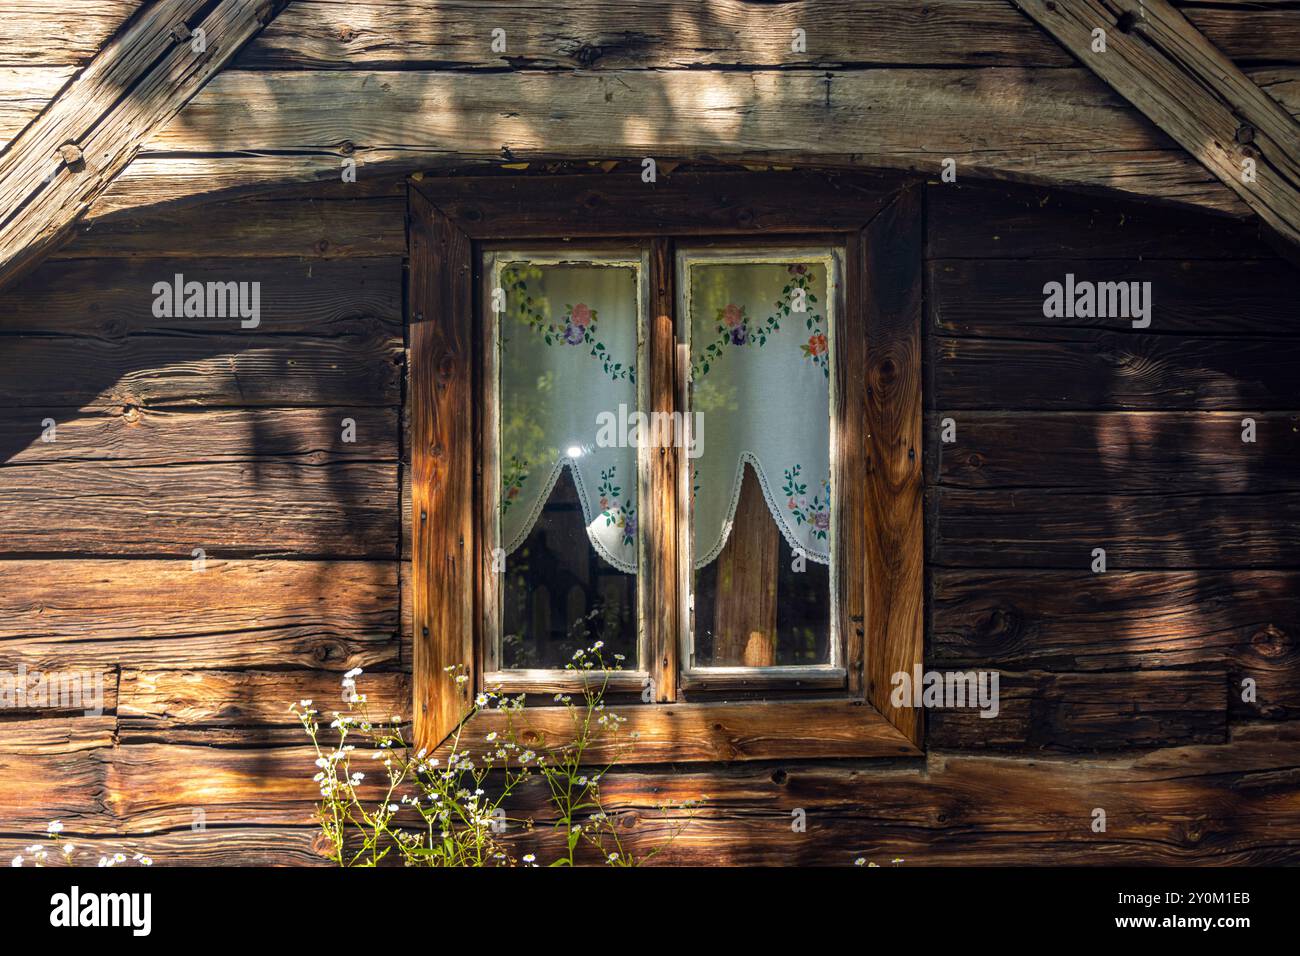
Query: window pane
(568, 505)
(761, 523)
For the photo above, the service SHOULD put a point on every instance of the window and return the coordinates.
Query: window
(682, 419)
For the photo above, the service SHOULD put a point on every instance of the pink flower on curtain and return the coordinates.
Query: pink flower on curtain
(581, 315)
(733, 315)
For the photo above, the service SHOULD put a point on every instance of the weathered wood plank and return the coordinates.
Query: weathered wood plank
(1234, 803)
(660, 34)
(665, 34)
(990, 221)
(357, 369)
(312, 229)
(164, 700)
(1166, 68)
(1005, 298)
(894, 558)
(1037, 528)
(313, 298)
(1039, 125)
(1245, 621)
(37, 32)
(1071, 713)
(145, 436)
(259, 506)
(685, 203)
(197, 846)
(56, 735)
(1102, 370)
(95, 126)
(1117, 451)
(444, 541)
(161, 614)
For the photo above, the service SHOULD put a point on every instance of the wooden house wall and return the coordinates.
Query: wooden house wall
(1118, 689)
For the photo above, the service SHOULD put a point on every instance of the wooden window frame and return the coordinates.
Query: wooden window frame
(877, 220)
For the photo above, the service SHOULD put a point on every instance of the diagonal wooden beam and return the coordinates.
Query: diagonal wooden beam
(57, 166)
(1161, 64)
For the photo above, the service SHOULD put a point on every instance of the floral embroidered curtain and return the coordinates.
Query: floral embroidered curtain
(568, 345)
(760, 345)
(760, 374)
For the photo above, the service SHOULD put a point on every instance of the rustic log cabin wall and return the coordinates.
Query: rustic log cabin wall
(1120, 690)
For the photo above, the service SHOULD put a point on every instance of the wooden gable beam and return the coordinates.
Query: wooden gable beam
(57, 166)
(1161, 64)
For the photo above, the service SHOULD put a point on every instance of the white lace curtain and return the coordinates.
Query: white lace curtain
(760, 385)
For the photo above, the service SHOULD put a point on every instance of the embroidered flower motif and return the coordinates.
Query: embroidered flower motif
(512, 481)
(814, 512)
(612, 510)
(735, 328)
(578, 327)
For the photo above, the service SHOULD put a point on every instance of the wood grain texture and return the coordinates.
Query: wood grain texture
(1166, 68)
(444, 538)
(1032, 527)
(1243, 621)
(95, 125)
(1040, 711)
(660, 584)
(36, 32)
(668, 34)
(1116, 451)
(163, 700)
(161, 614)
(683, 203)
(1037, 124)
(895, 552)
(744, 624)
(704, 732)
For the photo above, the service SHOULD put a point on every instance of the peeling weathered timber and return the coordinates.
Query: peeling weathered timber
(163, 614)
(95, 126)
(1036, 125)
(58, 734)
(1119, 451)
(1166, 68)
(1040, 711)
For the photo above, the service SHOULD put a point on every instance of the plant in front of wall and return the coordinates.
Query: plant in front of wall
(381, 800)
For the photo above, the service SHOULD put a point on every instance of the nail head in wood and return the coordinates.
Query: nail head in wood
(180, 33)
(70, 153)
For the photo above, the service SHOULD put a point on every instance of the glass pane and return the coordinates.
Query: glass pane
(761, 523)
(568, 518)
